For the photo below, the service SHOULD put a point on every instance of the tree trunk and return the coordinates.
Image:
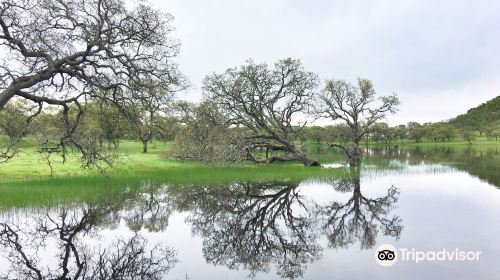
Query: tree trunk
(299, 154)
(144, 146)
(306, 160)
(354, 154)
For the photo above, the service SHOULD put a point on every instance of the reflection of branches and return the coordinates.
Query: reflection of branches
(124, 259)
(130, 260)
(150, 208)
(247, 226)
(252, 226)
(360, 217)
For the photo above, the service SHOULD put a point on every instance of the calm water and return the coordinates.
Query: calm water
(427, 199)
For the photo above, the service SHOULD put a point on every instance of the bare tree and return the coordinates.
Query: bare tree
(266, 101)
(58, 52)
(207, 135)
(357, 107)
(141, 106)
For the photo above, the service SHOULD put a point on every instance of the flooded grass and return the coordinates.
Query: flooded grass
(27, 181)
(61, 189)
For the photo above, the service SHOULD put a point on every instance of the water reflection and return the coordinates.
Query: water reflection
(251, 226)
(149, 207)
(257, 227)
(480, 161)
(254, 226)
(361, 217)
(70, 233)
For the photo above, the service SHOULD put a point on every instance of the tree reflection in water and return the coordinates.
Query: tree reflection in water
(360, 218)
(69, 230)
(150, 208)
(252, 226)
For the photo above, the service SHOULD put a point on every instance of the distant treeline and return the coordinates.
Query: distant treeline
(413, 131)
(481, 121)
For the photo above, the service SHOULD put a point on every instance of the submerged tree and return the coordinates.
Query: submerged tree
(360, 218)
(266, 101)
(59, 52)
(357, 107)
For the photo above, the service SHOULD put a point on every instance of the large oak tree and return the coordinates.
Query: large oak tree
(357, 106)
(59, 52)
(266, 100)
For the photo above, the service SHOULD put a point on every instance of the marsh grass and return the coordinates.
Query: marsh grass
(26, 180)
(64, 189)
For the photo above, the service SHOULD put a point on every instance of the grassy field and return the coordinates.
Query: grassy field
(29, 164)
(480, 141)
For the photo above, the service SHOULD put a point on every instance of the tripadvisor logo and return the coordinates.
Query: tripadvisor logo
(387, 255)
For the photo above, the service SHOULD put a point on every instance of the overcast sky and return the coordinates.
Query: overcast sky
(440, 57)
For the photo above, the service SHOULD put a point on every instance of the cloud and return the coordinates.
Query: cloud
(440, 57)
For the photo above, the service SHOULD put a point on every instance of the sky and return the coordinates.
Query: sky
(441, 57)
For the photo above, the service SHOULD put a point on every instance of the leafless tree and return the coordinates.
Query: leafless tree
(207, 135)
(59, 52)
(267, 101)
(357, 107)
(141, 106)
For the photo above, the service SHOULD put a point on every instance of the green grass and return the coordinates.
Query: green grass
(29, 164)
(63, 189)
(26, 180)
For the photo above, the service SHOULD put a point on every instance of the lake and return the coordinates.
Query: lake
(429, 200)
